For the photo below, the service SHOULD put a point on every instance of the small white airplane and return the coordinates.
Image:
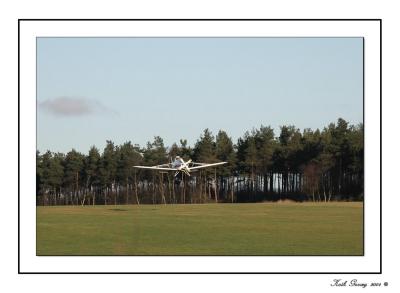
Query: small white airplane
(179, 165)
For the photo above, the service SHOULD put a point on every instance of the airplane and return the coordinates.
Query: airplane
(179, 165)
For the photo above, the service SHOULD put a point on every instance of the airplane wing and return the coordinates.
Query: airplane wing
(155, 168)
(198, 164)
(207, 165)
(163, 165)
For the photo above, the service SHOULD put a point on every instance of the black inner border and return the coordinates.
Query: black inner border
(380, 24)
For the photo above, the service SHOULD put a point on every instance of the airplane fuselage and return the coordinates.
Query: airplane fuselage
(178, 163)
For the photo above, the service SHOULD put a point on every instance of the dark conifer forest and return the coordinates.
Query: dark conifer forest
(309, 165)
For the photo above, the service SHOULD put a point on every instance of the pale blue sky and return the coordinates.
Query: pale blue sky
(131, 89)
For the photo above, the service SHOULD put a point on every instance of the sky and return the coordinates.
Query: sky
(90, 90)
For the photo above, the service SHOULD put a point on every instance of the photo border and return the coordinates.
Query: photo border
(380, 45)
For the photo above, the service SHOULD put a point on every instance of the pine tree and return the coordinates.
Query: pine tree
(107, 170)
(92, 167)
(225, 152)
(73, 165)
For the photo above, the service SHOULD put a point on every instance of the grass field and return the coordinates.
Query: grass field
(207, 229)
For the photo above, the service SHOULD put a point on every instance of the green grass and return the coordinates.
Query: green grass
(207, 229)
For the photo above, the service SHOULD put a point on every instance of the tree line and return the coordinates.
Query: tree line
(308, 165)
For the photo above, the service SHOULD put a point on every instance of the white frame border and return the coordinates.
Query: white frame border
(369, 29)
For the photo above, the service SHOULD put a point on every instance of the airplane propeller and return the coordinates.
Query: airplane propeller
(184, 168)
